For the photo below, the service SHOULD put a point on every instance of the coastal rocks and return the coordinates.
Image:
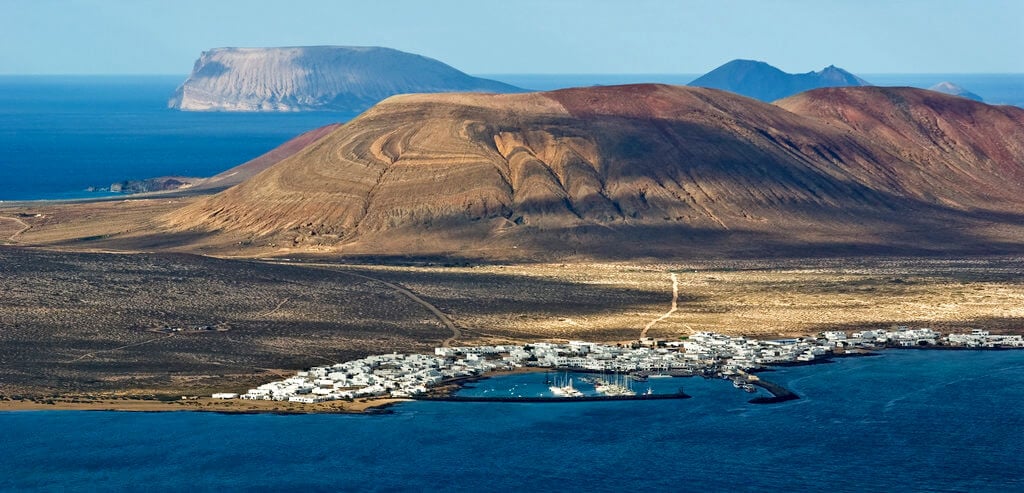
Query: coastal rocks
(329, 78)
(160, 184)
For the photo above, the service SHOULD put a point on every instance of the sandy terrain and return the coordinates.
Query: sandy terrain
(88, 322)
(616, 301)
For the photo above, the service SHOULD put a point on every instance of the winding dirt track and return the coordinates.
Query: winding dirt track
(276, 308)
(675, 302)
(24, 227)
(147, 341)
(441, 317)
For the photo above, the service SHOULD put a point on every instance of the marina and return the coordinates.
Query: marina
(556, 399)
(612, 369)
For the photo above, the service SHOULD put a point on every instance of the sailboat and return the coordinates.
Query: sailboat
(619, 385)
(566, 389)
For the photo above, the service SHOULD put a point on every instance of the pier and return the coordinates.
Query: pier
(779, 393)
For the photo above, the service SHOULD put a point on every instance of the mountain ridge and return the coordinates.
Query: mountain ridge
(762, 81)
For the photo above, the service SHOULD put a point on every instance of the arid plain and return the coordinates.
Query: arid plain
(86, 325)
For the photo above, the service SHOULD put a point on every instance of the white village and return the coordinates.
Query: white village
(707, 354)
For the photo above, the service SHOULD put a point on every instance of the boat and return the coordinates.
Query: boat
(618, 386)
(566, 390)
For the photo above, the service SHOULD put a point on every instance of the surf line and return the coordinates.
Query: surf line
(675, 303)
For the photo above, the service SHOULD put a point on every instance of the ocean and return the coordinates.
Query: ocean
(60, 135)
(908, 420)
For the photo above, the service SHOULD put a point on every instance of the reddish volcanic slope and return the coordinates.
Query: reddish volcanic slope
(957, 151)
(637, 170)
(247, 170)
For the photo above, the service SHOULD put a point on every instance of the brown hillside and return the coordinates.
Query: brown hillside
(635, 170)
(959, 151)
(247, 170)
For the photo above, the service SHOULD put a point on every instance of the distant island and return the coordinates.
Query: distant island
(955, 90)
(324, 78)
(760, 80)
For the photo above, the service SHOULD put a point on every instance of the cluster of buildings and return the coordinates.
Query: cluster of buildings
(908, 337)
(733, 354)
(407, 375)
(704, 353)
(580, 355)
(983, 339)
(393, 375)
(899, 336)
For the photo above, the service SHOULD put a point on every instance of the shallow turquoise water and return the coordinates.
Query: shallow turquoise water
(912, 420)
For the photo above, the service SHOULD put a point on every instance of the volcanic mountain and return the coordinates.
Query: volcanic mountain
(633, 170)
(334, 78)
(760, 80)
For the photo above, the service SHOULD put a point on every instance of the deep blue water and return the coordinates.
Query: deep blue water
(60, 135)
(907, 420)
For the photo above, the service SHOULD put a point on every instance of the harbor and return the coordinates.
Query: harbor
(610, 370)
(555, 399)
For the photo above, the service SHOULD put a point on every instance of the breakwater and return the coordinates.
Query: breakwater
(586, 398)
(779, 393)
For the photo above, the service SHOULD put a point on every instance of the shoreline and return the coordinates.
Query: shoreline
(381, 405)
(206, 404)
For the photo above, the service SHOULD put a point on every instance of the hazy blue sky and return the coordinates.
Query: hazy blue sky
(525, 36)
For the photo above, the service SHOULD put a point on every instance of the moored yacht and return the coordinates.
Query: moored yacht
(566, 390)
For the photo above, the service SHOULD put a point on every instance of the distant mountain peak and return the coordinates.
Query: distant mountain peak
(760, 80)
(333, 78)
(947, 87)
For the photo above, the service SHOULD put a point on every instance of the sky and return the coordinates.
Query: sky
(525, 36)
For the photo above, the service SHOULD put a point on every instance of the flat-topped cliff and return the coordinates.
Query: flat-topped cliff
(329, 78)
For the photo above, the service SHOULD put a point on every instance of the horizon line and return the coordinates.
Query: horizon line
(478, 74)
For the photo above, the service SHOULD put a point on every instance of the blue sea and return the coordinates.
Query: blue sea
(61, 135)
(907, 420)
